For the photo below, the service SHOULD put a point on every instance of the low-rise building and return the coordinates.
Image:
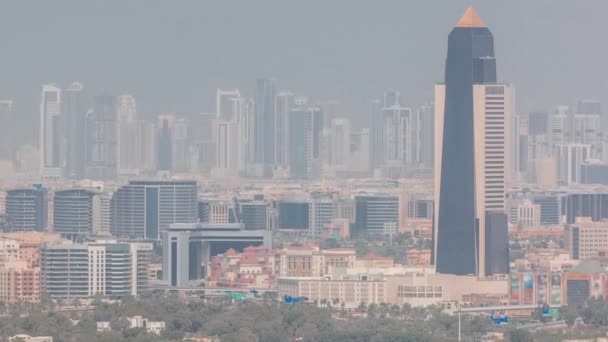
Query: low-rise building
(153, 327)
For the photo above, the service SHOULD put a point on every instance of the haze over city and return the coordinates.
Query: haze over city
(313, 171)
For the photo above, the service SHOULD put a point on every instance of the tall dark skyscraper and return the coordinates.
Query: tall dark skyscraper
(472, 157)
(75, 128)
(264, 123)
(103, 139)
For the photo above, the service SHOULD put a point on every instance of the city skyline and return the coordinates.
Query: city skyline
(413, 75)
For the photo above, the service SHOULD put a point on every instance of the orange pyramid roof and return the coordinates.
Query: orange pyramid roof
(471, 19)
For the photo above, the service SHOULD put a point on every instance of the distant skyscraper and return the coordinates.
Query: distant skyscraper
(569, 159)
(587, 127)
(426, 137)
(340, 144)
(7, 146)
(141, 209)
(284, 104)
(375, 134)
(74, 113)
(165, 150)
(103, 139)
(129, 136)
(264, 124)
(50, 132)
(559, 125)
(472, 156)
(180, 144)
(304, 133)
(26, 209)
(224, 104)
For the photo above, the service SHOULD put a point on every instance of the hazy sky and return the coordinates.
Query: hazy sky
(172, 55)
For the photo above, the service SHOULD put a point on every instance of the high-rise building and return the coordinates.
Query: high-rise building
(102, 213)
(84, 270)
(224, 103)
(375, 134)
(129, 136)
(373, 212)
(284, 104)
(304, 133)
(264, 124)
(164, 159)
(340, 144)
(50, 140)
(7, 146)
(141, 209)
(203, 141)
(587, 130)
(472, 156)
(26, 209)
(425, 148)
(103, 139)
(322, 210)
(74, 113)
(397, 132)
(180, 145)
(254, 215)
(73, 212)
(569, 158)
(559, 125)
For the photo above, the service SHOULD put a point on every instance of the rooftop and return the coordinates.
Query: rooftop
(471, 19)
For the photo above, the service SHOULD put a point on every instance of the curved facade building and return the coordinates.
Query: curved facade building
(472, 127)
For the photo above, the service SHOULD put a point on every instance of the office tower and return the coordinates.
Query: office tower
(538, 123)
(227, 158)
(103, 139)
(594, 172)
(73, 212)
(569, 158)
(301, 145)
(74, 114)
(584, 204)
(375, 134)
(26, 209)
(254, 215)
(141, 209)
(102, 214)
(585, 238)
(559, 126)
(373, 211)
(7, 145)
(340, 144)
(264, 124)
(203, 140)
(359, 150)
(426, 137)
(129, 136)
(294, 215)
(180, 146)
(391, 98)
(550, 208)
(284, 104)
(165, 149)
(322, 210)
(397, 132)
(224, 103)
(587, 128)
(472, 156)
(50, 140)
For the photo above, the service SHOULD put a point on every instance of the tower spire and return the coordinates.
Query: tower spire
(471, 19)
